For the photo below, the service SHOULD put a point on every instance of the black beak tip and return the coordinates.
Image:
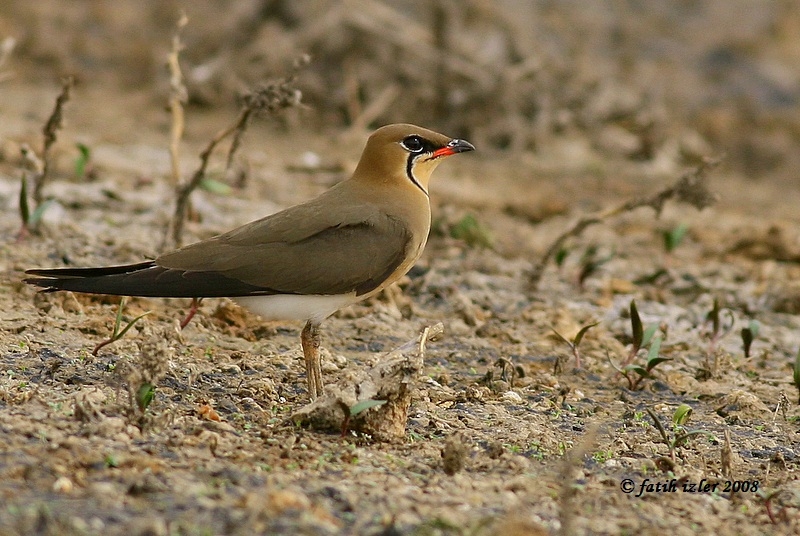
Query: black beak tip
(461, 146)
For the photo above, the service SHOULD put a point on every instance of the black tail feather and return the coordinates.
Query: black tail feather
(145, 279)
(65, 273)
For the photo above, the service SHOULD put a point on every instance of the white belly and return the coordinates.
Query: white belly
(296, 307)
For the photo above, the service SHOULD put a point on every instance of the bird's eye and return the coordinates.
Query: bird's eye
(413, 144)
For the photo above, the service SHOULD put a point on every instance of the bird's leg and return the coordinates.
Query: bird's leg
(310, 340)
(192, 311)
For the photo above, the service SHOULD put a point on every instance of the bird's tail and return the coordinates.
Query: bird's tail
(125, 280)
(146, 279)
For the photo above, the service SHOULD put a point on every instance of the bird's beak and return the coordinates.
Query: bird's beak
(455, 146)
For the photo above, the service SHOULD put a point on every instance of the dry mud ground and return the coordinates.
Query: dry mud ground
(532, 450)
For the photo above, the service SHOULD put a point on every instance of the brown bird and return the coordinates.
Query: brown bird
(305, 262)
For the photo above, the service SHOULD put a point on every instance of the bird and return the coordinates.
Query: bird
(307, 261)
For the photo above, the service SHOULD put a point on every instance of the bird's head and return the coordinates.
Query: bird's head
(407, 153)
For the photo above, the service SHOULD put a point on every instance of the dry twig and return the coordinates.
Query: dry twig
(50, 132)
(691, 189)
(177, 98)
(271, 98)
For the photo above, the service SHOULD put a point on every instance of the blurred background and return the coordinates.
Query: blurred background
(663, 82)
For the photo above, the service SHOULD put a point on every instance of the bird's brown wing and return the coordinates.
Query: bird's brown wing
(356, 255)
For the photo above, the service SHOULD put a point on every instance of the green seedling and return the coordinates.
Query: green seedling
(364, 405)
(82, 160)
(681, 415)
(118, 333)
(357, 409)
(749, 334)
(642, 338)
(635, 374)
(674, 237)
(560, 256)
(591, 261)
(144, 395)
(679, 432)
(574, 344)
(719, 329)
(30, 220)
(215, 187)
(471, 231)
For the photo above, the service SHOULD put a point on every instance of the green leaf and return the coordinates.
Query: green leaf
(656, 361)
(215, 187)
(713, 316)
(579, 337)
(674, 237)
(118, 320)
(365, 405)
(636, 326)
(655, 347)
(39, 212)
(591, 262)
(691, 433)
(748, 336)
(682, 414)
(560, 336)
(561, 256)
(131, 323)
(648, 334)
(641, 371)
(82, 160)
(754, 327)
(24, 208)
(145, 395)
(471, 231)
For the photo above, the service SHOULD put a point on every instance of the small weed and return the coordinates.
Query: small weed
(144, 395)
(574, 345)
(357, 409)
(560, 256)
(717, 331)
(82, 160)
(365, 405)
(591, 262)
(30, 220)
(516, 449)
(679, 432)
(602, 456)
(749, 334)
(471, 231)
(118, 333)
(639, 419)
(642, 338)
(674, 237)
